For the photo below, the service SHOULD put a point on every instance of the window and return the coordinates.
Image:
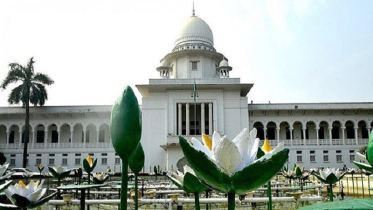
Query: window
(339, 151)
(51, 155)
(104, 154)
(38, 161)
(194, 65)
(352, 151)
(117, 160)
(299, 158)
(326, 158)
(38, 155)
(51, 161)
(299, 152)
(104, 161)
(78, 154)
(64, 155)
(64, 161)
(77, 161)
(339, 158)
(325, 151)
(312, 158)
(312, 152)
(352, 158)
(12, 162)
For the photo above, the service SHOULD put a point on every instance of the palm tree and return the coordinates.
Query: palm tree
(31, 90)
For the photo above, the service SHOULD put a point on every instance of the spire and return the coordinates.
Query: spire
(194, 14)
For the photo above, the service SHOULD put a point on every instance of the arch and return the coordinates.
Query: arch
(52, 133)
(297, 130)
(336, 129)
(362, 131)
(65, 134)
(284, 130)
(91, 134)
(350, 131)
(260, 131)
(104, 133)
(323, 129)
(14, 135)
(3, 134)
(271, 130)
(40, 133)
(78, 133)
(311, 130)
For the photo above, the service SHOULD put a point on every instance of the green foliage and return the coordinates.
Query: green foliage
(2, 158)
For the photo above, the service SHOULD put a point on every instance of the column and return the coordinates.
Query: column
(203, 130)
(343, 135)
(45, 138)
(368, 128)
(58, 138)
(210, 119)
(291, 136)
(317, 135)
(33, 138)
(187, 120)
(71, 137)
(180, 125)
(98, 136)
(357, 142)
(278, 135)
(330, 135)
(84, 137)
(7, 139)
(304, 135)
(20, 139)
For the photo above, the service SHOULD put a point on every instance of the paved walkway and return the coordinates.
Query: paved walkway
(361, 204)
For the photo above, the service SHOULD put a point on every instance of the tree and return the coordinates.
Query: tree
(31, 90)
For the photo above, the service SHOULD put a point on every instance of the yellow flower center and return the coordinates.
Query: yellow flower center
(266, 146)
(89, 159)
(40, 166)
(207, 141)
(36, 184)
(21, 184)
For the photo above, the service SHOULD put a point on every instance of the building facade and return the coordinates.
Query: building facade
(194, 94)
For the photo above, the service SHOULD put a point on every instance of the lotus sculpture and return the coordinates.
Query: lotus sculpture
(59, 173)
(232, 166)
(329, 176)
(100, 178)
(188, 182)
(30, 196)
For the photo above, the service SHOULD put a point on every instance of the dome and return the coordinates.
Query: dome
(223, 63)
(164, 64)
(195, 30)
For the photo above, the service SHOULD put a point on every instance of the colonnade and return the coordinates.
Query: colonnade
(187, 118)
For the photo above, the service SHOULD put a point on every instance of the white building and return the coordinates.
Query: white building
(318, 135)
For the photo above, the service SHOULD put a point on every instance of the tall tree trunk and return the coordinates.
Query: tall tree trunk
(27, 124)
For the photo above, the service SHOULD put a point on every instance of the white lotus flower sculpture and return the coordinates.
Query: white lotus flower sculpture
(99, 178)
(330, 176)
(29, 196)
(232, 166)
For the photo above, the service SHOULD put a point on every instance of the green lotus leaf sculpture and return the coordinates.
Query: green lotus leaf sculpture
(368, 157)
(231, 166)
(30, 196)
(125, 130)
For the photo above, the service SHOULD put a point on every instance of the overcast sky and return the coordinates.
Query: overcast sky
(293, 51)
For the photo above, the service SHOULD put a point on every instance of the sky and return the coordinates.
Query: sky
(293, 51)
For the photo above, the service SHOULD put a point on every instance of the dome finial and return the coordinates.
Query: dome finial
(194, 14)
